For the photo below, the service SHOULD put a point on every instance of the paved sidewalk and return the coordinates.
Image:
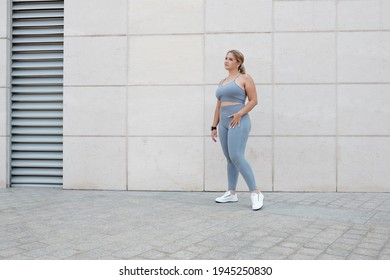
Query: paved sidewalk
(70, 224)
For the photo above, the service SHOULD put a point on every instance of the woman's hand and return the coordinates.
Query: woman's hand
(236, 120)
(214, 135)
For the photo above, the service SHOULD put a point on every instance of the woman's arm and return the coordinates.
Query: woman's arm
(216, 121)
(250, 89)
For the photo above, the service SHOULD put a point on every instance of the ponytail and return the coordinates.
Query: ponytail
(241, 69)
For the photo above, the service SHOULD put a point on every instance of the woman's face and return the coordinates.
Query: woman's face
(231, 62)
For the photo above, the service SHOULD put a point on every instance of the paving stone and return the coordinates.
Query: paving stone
(297, 239)
(50, 250)
(153, 255)
(242, 256)
(19, 257)
(300, 256)
(344, 240)
(171, 248)
(8, 244)
(279, 250)
(272, 239)
(306, 234)
(376, 236)
(198, 248)
(386, 251)
(84, 246)
(262, 244)
(31, 239)
(324, 238)
(309, 252)
(342, 246)
(42, 223)
(384, 257)
(329, 257)
(360, 257)
(366, 252)
(316, 245)
(353, 236)
(370, 245)
(183, 255)
(64, 253)
(218, 255)
(357, 232)
(33, 245)
(338, 251)
(281, 234)
(9, 252)
(292, 245)
(89, 255)
(118, 245)
(106, 257)
(319, 225)
(131, 251)
(273, 256)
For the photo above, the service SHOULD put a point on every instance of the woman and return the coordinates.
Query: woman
(234, 125)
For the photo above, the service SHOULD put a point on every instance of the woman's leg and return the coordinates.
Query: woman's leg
(232, 171)
(236, 142)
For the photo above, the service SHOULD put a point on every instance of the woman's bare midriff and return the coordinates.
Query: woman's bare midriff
(229, 103)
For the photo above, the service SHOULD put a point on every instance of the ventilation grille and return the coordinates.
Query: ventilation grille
(37, 93)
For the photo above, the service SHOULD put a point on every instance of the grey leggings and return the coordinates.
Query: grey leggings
(233, 142)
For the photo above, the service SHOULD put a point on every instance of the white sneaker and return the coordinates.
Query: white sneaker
(257, 201)
(227, 197)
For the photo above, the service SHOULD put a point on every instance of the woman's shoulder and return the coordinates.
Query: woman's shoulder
(246, 77)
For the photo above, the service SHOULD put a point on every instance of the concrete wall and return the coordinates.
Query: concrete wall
(139, 91)
(4, 91)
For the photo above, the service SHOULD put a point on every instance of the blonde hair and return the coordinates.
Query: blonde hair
(240, 58)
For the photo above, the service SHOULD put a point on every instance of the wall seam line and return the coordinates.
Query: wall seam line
(127, 95)
(336, 94)
(273, 97)
(204, 94)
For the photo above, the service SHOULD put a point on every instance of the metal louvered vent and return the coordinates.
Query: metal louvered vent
(37, 93)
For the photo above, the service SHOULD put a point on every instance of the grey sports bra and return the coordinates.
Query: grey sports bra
(231, 92)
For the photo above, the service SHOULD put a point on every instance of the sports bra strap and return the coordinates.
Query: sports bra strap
(221, 83)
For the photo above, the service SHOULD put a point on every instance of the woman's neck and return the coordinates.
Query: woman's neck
(233, 73)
